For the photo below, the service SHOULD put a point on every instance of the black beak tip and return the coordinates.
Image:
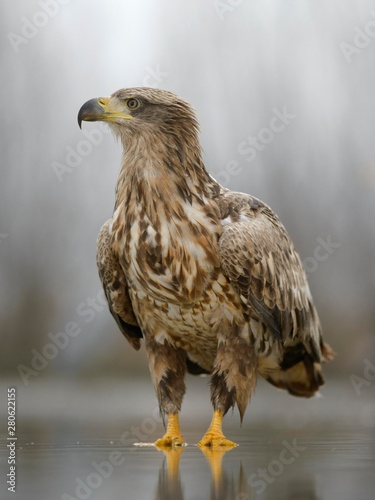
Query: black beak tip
(80, 116)
(89, 111)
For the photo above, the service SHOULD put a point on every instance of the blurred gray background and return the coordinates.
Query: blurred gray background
(241, 64)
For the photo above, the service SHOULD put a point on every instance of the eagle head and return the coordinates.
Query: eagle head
(133, 111)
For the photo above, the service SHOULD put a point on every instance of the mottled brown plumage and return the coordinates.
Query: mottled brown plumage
(209, 278)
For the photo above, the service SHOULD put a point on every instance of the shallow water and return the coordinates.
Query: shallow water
(76, 442)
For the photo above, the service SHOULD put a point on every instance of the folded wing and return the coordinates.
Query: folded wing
(116, 288)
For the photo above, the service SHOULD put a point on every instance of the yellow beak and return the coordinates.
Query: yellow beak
(100, 109)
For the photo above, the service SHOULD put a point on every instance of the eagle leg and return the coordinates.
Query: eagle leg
(232, 382)
(173, 436)
(214, 437)
(167, 367)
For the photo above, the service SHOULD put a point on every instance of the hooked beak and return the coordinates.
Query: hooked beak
(101, 109)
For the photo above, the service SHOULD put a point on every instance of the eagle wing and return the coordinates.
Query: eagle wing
(259, 259)
(116, 288)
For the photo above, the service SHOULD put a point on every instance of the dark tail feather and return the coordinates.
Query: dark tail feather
(300, 371)
(303, 379)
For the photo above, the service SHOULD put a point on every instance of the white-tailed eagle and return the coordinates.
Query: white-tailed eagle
(207, 277)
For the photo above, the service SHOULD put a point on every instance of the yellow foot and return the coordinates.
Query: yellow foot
(173, 436)
(169, 440)
(214, 437)
(216, 440)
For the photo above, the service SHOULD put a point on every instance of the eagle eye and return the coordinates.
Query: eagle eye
(133, 103)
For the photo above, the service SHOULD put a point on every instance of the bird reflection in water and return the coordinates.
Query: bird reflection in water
(169, 486)
(222, 487)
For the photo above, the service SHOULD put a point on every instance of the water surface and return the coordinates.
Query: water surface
(75, 441)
